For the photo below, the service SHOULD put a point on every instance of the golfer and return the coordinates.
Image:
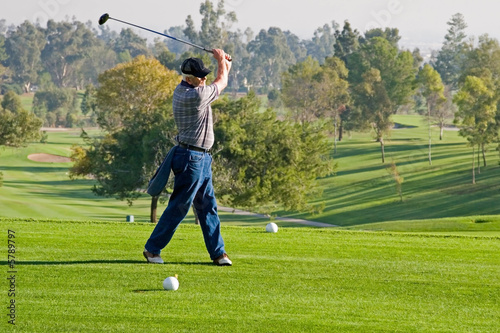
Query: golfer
(192, 161)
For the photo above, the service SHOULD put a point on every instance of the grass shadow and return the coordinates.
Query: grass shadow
(141, 291)
(75, 262)
(88, 262)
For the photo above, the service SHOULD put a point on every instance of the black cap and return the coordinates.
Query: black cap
(194, 66)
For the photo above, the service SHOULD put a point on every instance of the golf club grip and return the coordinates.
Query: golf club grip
(210, 51)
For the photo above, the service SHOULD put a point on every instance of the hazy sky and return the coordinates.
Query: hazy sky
(419, 21)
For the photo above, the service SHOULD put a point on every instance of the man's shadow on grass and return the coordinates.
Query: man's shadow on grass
(87, 262)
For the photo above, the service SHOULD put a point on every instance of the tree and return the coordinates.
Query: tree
(215, 32)
(270, 57)
(3, 54)
(3, 57)
(11, 102)
(333, 93)
(346, 42)
(389, 34)
(450, 58)
(296, 46)
(134, 109)
(99, 58)
(432, 89)
(68, 45)
(322, 44)
(484, 62)
(129, 45)
(215, 24)
(477, 106)
(54, 105)
(445, 112)
(383, 79)
(262, 161)
(17, 126)
(375, 106)
(174, 46)
(299, 90)
(315, 92)
(24, 46)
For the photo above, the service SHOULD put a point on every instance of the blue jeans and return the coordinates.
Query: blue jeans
(192, 186)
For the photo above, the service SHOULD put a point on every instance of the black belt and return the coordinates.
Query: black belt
(190, 147)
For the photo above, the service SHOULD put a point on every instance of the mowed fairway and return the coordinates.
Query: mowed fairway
(91, 277)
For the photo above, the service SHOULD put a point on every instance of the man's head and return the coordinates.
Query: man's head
(194, 71)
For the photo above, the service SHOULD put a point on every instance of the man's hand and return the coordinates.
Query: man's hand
(220, 54)
(224, 66)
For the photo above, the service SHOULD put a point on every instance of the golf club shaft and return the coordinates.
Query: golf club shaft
(165, 35)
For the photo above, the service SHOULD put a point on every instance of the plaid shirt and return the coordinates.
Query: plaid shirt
(193, 114)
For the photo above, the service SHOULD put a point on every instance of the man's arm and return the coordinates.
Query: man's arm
(223, 68)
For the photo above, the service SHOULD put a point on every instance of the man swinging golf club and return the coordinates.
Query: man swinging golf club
(192, 161)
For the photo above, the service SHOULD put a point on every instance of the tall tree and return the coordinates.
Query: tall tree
(333, 93)
(68, 44)
(322, 44)
(215, 32)
(263, 161)
(24, 46)
(134, 109)
(215, 25)
(299, 90)
(477, 106)
(270, 57)
(445, 113)
(3, 57)
(174, 46)
(129, 45)
(483, 61)
(346, 42)
(383, 79)
(432, 89)
(296, 46)
(450, 58)
(3, 54)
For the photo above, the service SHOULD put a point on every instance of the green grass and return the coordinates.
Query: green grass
(44, 190)
(363, 192)
(91, 277)
(361, 195)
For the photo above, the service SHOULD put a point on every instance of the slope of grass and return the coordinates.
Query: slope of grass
(361, 193)
(364, 192)
(91, 277)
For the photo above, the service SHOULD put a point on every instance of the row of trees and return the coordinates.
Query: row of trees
(71, 54)
(370, 78)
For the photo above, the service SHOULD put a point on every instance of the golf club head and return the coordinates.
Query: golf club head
(103, 18)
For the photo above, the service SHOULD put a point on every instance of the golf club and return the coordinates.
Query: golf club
(105, 17)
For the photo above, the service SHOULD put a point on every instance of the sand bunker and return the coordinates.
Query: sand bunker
(49, 158)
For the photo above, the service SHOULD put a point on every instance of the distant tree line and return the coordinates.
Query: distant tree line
(341, 77)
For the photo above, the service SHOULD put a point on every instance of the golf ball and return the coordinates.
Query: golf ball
(271, 227)
(171, 283)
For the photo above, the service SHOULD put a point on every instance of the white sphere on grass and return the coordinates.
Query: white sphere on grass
(171, 283)
(272, 227)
